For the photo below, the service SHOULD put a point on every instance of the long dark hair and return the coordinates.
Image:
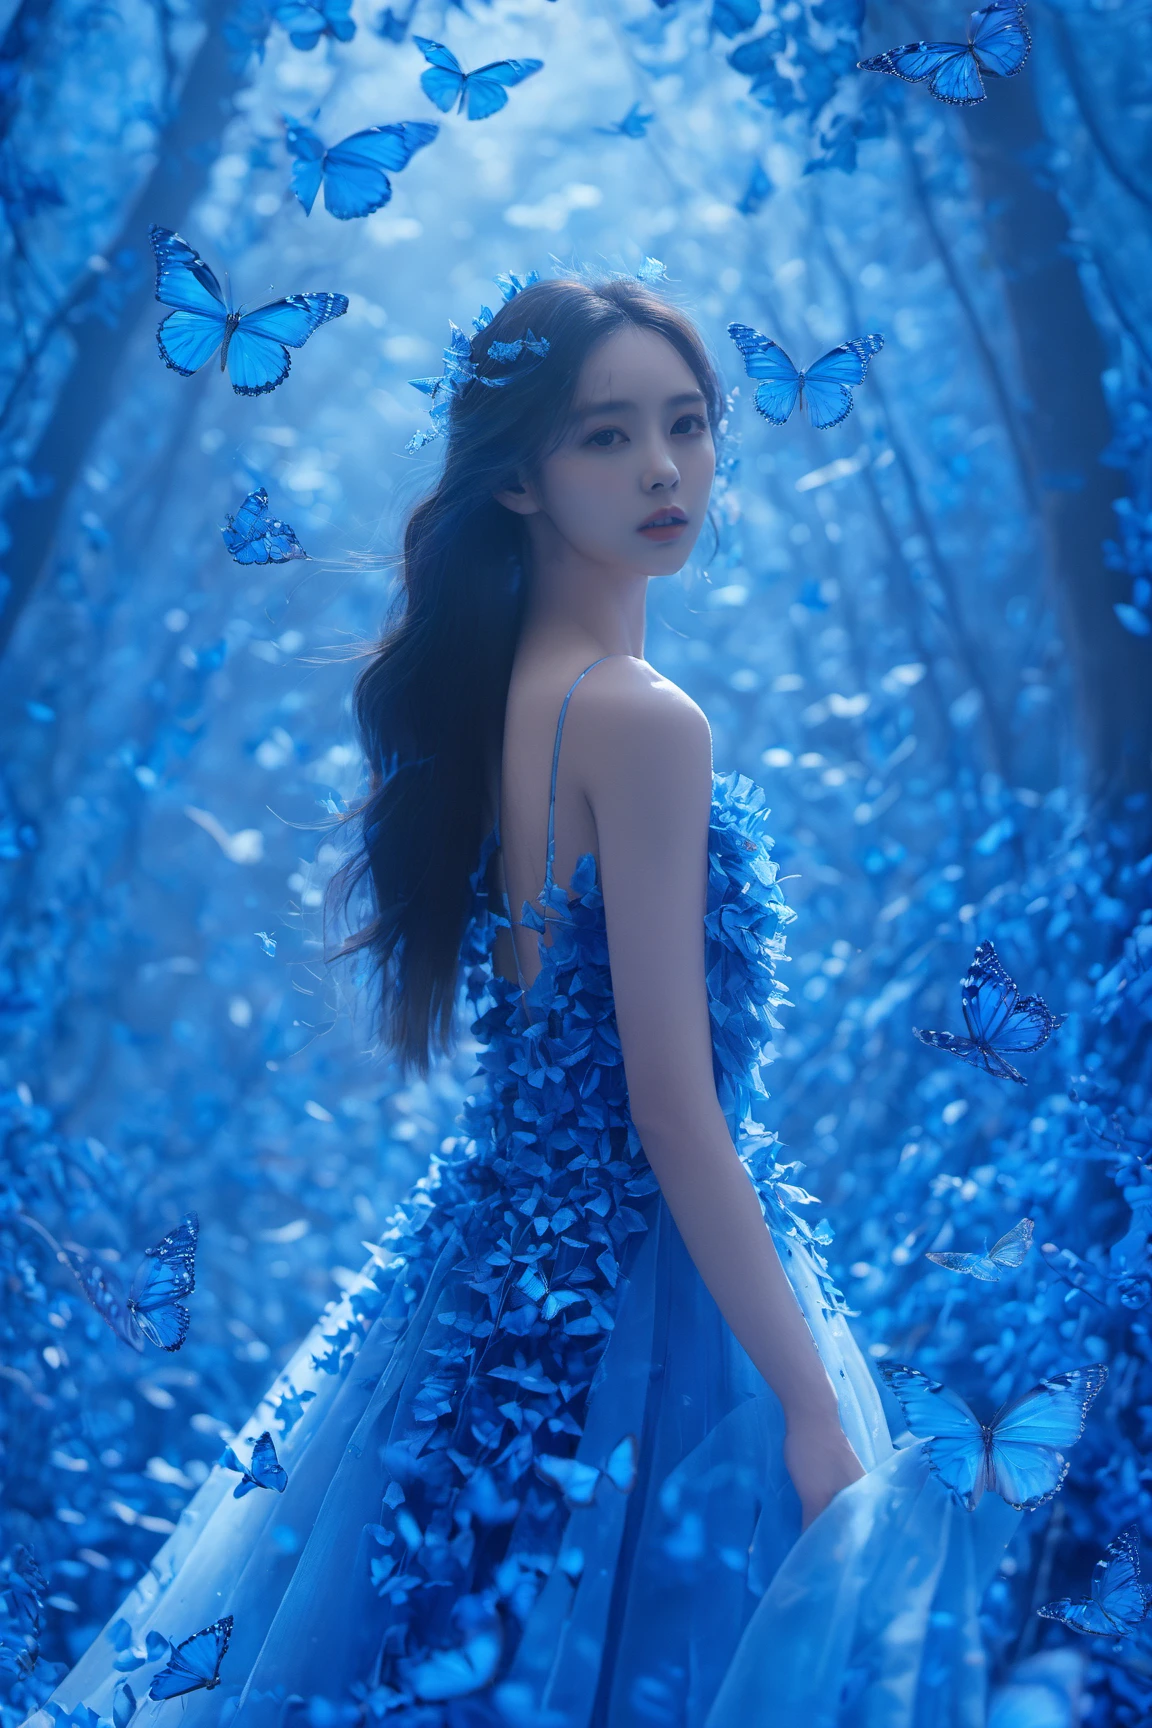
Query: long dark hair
(429, 704)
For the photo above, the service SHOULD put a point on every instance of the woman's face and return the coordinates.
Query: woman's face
(637, 450)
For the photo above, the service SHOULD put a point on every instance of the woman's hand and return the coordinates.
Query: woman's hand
(819, 1460)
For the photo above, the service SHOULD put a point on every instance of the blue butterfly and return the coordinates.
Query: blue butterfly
(1018, 1455)
(254, 536)
(635, 124)
(265, 1471)
(253, 345)
(479, 93)
(578, 1482)
(152, 1309)
(1119, 1601)
(757, 192)
(1008, 1251)
(289, 1407)
(307, 20)
(997, 1018)
(456, 1673)
(824, 388)
(195, 1664)
(391, 26)
(998, 44)
(132, 1656)
(355, 172)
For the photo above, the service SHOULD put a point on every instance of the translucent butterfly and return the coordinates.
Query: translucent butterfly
(1008, 1251)
(578, 1482)
(477, 94)
(454, 1673)
(307, 20)
(265, 1470)
(253, 345)
(998, 44)
(254, 536)
(825, 388)
(635, 124)
(1119, 1601)
(152, 1309)
(997, 1017)
(195, 1664)
(1019, 1455)
(757, 192)
(132, 1656)
(354, 173)
(390, 25)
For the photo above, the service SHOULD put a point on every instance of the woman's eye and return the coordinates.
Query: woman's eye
(603, 438)
(689, 423)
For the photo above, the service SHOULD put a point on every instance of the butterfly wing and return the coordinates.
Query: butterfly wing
(447, 1674)
(988, 995)
(622, 1464)
(244, 530)
(255, 536)
(933, 1412)
(266, 1468)
(443, 83)
(1031, 1437)
(1031, 1025)
(167, 1273)
(106, 1296)
(356, 171)
(258, 358)
(183, 280)
(827, 383)
(1012, 1247)
(576, 1481)
(195, 1663)
(308, 167)
(977, 1265)
(1116, 1583)
(765, 359)
(999, 38)
(1119, 1601)
(187, 340)
(949, 68)
(957, 79)
(486, 89)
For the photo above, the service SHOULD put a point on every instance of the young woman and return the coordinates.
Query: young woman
(593, 1446)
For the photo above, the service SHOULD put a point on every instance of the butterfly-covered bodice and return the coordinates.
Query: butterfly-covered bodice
(551, 1052)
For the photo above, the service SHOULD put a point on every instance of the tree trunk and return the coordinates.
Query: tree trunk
(186, 152)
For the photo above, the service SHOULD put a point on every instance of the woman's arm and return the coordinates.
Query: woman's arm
(646, 752)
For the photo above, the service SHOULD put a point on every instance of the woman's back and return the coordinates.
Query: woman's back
(562, 704)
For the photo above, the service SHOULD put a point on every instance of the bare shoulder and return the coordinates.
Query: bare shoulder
(631, 705)
(638, 735)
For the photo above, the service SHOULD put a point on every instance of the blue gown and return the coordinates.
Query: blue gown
(533, 1480)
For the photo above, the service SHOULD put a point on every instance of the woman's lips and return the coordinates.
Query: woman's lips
(666, 531)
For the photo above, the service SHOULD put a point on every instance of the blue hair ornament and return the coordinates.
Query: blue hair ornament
(460, 368)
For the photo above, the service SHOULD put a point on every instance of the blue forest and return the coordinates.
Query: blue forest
(248, 249)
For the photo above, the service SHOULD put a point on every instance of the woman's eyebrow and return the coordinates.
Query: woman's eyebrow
(679, 401)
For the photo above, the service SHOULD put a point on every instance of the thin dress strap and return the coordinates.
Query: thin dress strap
(552, 788)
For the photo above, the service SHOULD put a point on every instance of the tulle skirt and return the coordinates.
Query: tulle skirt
(692, 1601)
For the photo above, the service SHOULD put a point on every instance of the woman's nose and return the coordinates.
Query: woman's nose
(661, 470)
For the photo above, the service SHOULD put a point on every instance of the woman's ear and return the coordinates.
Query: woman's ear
(518, 497)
